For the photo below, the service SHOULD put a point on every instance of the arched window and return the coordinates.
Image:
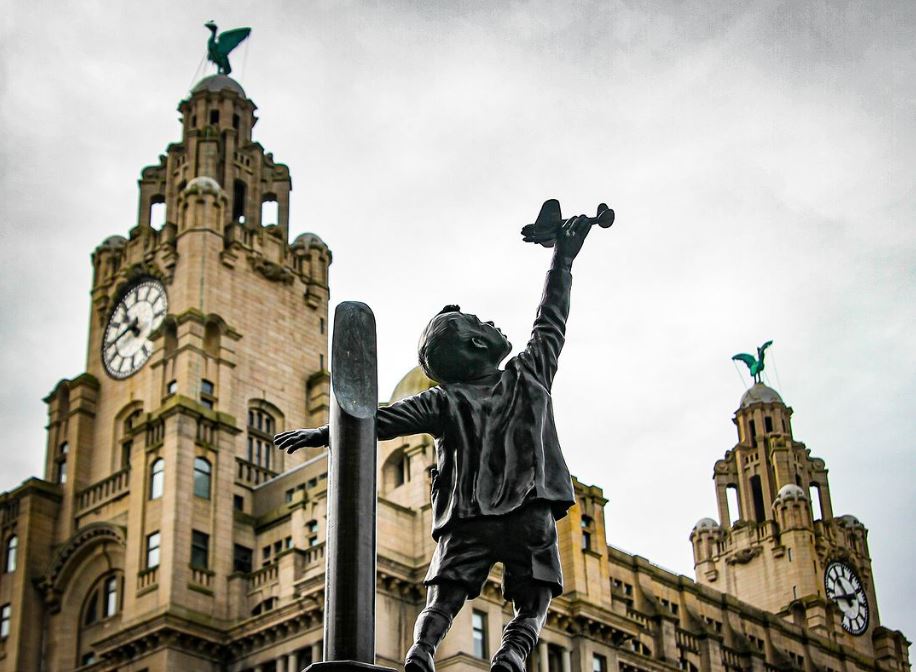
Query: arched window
(270, 211)
(62, 453)
(201, 478)
(156, 478)
(261, 428)
(12, 548)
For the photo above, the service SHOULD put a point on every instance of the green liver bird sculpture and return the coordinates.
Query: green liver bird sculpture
(754, 365)
(218, 48)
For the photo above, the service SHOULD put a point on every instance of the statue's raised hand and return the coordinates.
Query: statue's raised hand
(300, 438)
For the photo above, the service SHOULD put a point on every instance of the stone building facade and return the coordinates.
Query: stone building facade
(165, 534)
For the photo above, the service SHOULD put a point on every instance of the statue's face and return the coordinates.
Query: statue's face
(485, 337)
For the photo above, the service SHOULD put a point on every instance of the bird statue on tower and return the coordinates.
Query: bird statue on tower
(218, 48)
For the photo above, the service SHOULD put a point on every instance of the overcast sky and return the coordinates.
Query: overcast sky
(759, 156)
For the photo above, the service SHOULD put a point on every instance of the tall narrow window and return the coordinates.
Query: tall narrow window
(238, 201)
(768, 424)
(6, 613)
(731, 499)
(207, 390)
(757, 496)
(152, 550)
(157, 212)
(62, 453)
(814, 495)
(157, 479)
(261, 428)
(201, 478)
(110, 602)
(12, 549)
(200, 550)
(269, 212)
(753, 427)
(479, 631)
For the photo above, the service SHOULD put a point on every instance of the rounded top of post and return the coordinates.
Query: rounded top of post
(354, 360)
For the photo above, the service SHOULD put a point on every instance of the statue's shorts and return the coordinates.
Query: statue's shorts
(525, 541)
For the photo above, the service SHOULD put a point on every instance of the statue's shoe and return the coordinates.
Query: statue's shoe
(419, 659)
(507, 660)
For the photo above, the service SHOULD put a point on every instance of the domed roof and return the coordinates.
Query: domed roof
(413, 383)
(760, 394)
(114, 242)
(308, 239)
(216, 83)
(706, 524)
(791, 491)
(203, 184)
(849, 521)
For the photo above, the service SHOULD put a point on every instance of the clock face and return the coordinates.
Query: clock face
(125, 344)
(845, 589)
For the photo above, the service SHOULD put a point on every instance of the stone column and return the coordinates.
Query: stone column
(566, 660)
(543, 660)
(291, 664)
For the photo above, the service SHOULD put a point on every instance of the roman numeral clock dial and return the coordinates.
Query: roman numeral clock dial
(845, 589)
(125, 344)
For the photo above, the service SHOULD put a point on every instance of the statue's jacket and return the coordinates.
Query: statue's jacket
(496, 443)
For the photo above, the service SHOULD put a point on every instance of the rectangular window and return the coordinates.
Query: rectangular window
(207, 390)
(5, 614)
(152, 550)
(238, 502)
(241, 559)
(479, 627)
(200, 550)
(171, 387)
(110, 605)
(312, 526)
(265, 556)
(214, 116)
(599, 663)
(586, 541)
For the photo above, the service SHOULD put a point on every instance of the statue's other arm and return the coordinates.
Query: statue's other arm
(415, 415)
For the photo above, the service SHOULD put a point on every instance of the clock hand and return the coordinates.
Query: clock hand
(133, 326)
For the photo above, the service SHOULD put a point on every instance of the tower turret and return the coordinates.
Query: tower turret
(777, 544)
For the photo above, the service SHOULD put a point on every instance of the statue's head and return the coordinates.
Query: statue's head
(457, 347)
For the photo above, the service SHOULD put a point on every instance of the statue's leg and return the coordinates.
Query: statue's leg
(532, 575)
(521, 634)
(443, 601)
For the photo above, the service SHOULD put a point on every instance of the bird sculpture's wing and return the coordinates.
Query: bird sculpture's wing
(747, 359)
(230, 39)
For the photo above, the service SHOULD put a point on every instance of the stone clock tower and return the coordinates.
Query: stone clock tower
(207, 335)
(778, 545)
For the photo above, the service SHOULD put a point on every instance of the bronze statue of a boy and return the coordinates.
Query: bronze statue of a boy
(501, 481)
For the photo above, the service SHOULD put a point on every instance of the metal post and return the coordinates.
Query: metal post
(349, 624)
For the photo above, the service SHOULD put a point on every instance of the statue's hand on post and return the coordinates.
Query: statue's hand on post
(295, 439)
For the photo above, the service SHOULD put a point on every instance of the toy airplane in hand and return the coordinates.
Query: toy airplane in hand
(545, 228)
